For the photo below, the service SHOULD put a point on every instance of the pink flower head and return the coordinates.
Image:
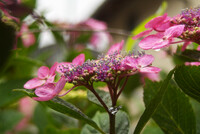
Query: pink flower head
(161, 40)
(142, 64)
(78, 60)
(116, 47)
(27, 37)
(192, 63)
(44, 76)
(49, 90)
(95, 24)
(159, 24)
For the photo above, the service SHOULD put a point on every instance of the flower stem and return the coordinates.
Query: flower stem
(112, 123)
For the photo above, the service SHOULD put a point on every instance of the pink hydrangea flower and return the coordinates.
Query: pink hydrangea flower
(141, 64)
(49, 90)
(192, 63)
(45, 75)
(116, 47)
(78, 60)
(161, 40)
(159, 24)
(28, 38)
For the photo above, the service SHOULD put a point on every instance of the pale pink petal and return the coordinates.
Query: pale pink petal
(186, 43)
(28, 38)
(150, 69)
(142, 34)
(150, 41)
(60, 85)
(156, 21)
(45, 90)
(34, 83)
(198, 48)
(96, 24)
(192, 63)
(129, 63)
(53, 69)
(174, 31)
(145, 60)
(79, 60)
(116, 47)
(43, 72)
(151, 76)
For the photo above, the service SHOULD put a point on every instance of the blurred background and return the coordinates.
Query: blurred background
(62, 31)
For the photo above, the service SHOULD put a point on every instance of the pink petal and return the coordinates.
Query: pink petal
(53, 69)
(198, 48)
(145, 60)
(43, 98)
(43, 72)
(162, 44)
(60, 85)
(144, 33)
(164, 25)
(116, 47)
(129, 63)
(151, 76)
(150, 41)
(79, 60)
(156, 21)
(33, 83)
(186, 43)
(150, 69)
(174, 31)
(192, 63)
(45, 90)
(28, 38)
(96, 24)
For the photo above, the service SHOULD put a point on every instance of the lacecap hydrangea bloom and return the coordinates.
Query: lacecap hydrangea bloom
(184, 26)
(110, 68)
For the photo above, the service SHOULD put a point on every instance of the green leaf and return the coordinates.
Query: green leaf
(102, 119)
(41, 118)
(130, 42)
(28, 60)
(188, 79)
(7, 96)
(67, 108)
(105, 96)
(196, 108)
(8, 119)
(174, 114)
(153, 105)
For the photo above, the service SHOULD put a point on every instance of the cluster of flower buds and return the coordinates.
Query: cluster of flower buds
(190, 18)
(108, 68)
(185, 26)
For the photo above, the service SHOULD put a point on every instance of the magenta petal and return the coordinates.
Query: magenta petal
(79, 60)
(162, 44)
(155, 21)
(150, 41)
(43, 98)
(53, 69)
(60, 85)
(145, 60)
(174, 31)
(129, 63)
(116, 47)
(33, 83)
(144, 33)
(150, 69)
(45, 90)
(186, 43)
(43, 72)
